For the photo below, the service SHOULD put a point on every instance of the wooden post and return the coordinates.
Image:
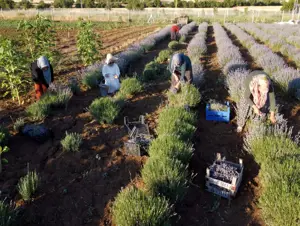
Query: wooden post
(224, 18)
(252, 16)
(282, 16)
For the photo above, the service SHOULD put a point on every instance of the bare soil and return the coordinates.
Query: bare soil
(201, 207)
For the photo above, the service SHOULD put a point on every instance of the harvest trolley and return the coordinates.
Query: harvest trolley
(139, 135)
(223, 177)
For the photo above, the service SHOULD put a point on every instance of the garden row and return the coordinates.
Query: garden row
(273, 146)
(275, 42)
(165, 176)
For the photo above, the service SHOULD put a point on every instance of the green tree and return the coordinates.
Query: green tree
(12, 67)
(25, 4)
(176, 3)
(43, 5)
(7, 4)
(287, 6)
(63, 3)
(88, 43)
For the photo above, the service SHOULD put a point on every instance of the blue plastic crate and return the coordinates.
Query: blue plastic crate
(220, 116)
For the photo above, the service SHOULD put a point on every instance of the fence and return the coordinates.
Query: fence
(151, 14)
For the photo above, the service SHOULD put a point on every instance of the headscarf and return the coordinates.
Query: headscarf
(177, 61)
(41, 63)
(259, 98)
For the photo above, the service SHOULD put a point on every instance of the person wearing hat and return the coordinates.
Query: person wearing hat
(259, 93)
(175, 32)
(111, 73)
(181, 69)
(42, 75)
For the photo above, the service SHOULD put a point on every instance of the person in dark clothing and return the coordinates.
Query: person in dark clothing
(181, 69)
(259, 93)
(42, 75)
(175, 32)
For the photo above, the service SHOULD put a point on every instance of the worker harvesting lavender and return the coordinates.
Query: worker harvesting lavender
(181, 69)
(111, 73)
(259, 93)
(175, 32)
(42, 75)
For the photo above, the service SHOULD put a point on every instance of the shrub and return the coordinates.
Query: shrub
(174, 45)
(19, 124)
(104, 110)
(182, 39)
(74, 86)
(131, 86)
(170, 114)
(91, 79)
(8, 214)
(71, 142)
(167, 177)
(28, 185)
(189, 95)
(163, 56)
(171, 147)
(38, 111)
(155, 71)
(133, 205)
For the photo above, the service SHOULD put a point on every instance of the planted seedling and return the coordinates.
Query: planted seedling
(3, 150)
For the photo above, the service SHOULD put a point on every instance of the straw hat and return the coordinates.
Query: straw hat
(110, 58)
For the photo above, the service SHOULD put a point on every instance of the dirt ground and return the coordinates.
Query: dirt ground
(203, 208)
(78, 188)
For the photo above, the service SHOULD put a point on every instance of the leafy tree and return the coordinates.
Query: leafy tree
(87, 43)
(43, 5)
(177, 3)
(7, 4)
(25, 4)
(12, 67)
(63, 3)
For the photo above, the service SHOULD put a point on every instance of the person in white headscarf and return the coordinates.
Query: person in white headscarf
(111, 73)
(42, 75)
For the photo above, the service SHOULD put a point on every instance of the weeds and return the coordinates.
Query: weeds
(71, 142)
(141, 209)
(19, 124)
(8, 214)
(28, 185)
(104, 110)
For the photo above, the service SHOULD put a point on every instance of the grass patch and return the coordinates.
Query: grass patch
(171, 147)
(174, 45)
(189, 95)
(167, 177)
(163, 56)
(104, 110)
(135, 207)
(130, 86)
(71, 142)
(8, 214)
(28, 185)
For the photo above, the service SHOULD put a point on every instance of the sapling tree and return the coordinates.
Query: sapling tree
(39, 38)
(12, 66)
(88, 43)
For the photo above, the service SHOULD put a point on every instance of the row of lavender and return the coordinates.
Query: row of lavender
(234, 66)
(274, 149)
(289, 33)
(196, 49)
(274, 41)
(287, 78)
(185, 30)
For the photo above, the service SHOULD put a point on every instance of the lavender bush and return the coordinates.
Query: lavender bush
(185, 30)
(197, 46)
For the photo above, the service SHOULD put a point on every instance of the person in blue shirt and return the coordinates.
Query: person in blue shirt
(181, 69)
